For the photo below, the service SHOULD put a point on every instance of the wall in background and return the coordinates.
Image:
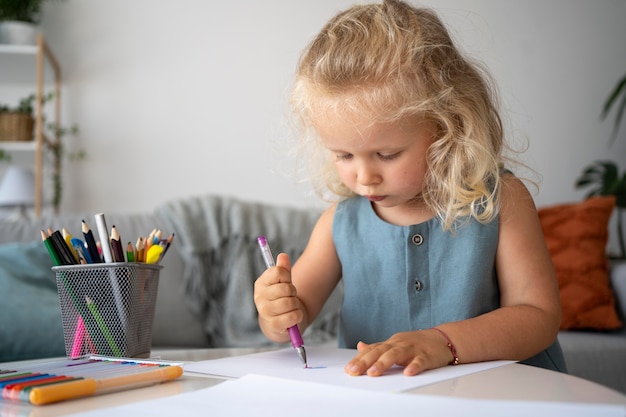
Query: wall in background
(180, 98)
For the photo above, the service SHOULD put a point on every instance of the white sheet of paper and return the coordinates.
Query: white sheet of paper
(326, 367)
(260, 396)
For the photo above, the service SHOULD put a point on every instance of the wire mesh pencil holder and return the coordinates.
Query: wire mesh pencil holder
(108, 308)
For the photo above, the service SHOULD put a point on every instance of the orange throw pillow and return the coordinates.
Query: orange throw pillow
(576, 235)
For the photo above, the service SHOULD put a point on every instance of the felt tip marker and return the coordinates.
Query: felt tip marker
(294, 332)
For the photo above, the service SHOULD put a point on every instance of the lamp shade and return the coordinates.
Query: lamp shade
(17, 187)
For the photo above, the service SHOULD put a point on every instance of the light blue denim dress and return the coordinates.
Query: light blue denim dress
(402, 278)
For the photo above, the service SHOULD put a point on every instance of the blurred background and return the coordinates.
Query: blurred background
(186, 97)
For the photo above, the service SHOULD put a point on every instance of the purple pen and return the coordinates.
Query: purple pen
(294, 332)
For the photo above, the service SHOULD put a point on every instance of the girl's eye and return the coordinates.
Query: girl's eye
(388, 157)
(343, 156)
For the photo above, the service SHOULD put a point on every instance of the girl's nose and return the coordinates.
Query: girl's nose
(367, 175)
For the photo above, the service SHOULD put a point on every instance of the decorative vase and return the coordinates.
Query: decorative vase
(14, 32)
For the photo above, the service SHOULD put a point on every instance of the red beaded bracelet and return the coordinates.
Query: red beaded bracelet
(455, 361)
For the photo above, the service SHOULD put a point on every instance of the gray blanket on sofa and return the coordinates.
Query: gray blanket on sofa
(216, 236)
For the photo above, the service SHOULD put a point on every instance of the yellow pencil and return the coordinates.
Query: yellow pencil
(141, 250)
(68, 239)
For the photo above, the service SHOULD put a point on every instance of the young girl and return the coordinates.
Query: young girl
(440, 247)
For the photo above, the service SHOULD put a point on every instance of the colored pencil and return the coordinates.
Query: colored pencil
(67, 236)
(50, 248)
(102, 325)
(65, 255)
(116, 245)
(130, 252)
(92, 247)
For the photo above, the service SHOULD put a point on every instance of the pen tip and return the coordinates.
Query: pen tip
(302, 354)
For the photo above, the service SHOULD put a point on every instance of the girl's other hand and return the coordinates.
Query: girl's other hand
(416, 351)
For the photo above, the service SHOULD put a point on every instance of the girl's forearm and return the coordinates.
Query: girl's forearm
(508, 333)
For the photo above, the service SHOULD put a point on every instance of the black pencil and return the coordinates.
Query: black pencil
(167, 244)
(64, 252)
(92, 247)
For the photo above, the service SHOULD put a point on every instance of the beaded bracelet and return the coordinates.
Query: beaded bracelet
(455, 361)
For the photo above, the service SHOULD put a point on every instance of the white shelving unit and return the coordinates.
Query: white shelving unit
(19, 63)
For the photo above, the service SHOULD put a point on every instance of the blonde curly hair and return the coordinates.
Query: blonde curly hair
(390, 61)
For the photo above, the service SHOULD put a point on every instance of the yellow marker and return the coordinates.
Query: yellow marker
(47, 394)
(63, 391)
(154, 254)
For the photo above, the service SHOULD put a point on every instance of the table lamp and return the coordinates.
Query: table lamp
(17, 189)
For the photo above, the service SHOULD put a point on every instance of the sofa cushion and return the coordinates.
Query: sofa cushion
(576, 235)
(618, 283)
(598, 357)
(29, 311)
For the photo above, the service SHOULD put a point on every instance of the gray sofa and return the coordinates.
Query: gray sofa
(205, 293)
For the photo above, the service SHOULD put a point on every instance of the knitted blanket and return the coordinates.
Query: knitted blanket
(216, 236)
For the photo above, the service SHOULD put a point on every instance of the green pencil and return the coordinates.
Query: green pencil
(53, 253)
(103, 327)
(130, 253)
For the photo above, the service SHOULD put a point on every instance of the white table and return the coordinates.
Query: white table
(509, 382)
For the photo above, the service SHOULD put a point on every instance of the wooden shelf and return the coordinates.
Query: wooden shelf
(26, 64)
(18, 49)
(19, 64)
(25, 146)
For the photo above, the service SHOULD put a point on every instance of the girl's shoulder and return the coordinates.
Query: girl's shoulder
(512, 186)
(515, 198)
(326, 218)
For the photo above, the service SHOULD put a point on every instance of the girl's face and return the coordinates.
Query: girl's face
(384, 162)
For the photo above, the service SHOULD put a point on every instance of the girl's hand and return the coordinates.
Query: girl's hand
(416, 351)
(276, 301)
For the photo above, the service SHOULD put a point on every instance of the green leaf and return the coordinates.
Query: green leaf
(619, 90)
(4, 156)
(621, 84)
(604, 176)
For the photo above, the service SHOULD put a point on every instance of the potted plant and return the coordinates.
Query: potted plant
(55, 146)
(19, 20)
(604, 176)
(16, 123)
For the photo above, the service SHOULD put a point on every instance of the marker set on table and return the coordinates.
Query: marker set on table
(65, 249)
(61, 379)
